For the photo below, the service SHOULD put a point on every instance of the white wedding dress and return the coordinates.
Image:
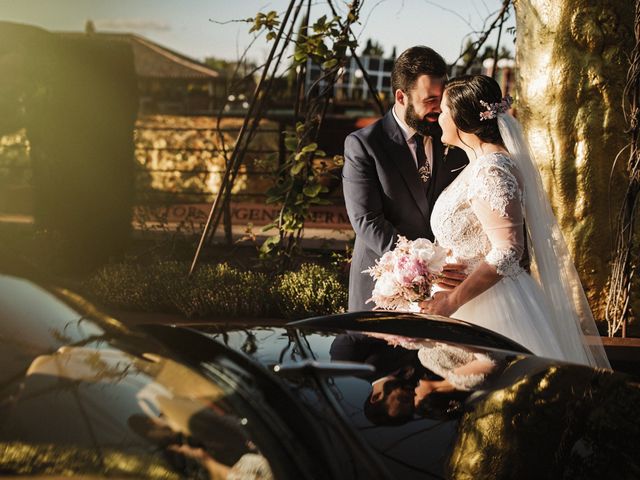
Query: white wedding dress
(479, 218)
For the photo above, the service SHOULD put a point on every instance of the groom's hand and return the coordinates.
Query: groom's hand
(453, 274)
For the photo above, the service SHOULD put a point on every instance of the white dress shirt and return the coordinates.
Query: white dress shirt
(408, 134)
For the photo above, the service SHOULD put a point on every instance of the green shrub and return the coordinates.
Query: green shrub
(136, 287)
(310, 291)
(218, 290)
(221, 290)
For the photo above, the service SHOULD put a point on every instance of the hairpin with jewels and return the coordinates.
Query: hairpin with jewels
(493, 109)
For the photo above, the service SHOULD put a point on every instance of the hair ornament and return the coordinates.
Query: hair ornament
(493, 109)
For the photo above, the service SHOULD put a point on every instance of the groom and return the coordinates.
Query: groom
(395, 169)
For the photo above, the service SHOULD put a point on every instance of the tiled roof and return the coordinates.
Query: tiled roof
(155, 61)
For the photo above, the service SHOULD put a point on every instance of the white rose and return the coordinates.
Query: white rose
(422, 243)
(438, 260)
(386, 286)
(425, 255)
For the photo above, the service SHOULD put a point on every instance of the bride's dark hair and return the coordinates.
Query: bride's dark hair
(464, 94)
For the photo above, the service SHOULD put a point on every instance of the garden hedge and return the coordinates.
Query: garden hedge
(218, 290)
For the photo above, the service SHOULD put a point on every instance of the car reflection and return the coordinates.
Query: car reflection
(415, 376)
(496, 408)
(171, 422)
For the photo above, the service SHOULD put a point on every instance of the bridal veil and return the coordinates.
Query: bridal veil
(552, 265)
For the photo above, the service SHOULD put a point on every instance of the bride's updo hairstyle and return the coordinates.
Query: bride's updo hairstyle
(464, 94)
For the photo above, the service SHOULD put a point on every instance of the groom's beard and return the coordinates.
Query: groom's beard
(426, 128)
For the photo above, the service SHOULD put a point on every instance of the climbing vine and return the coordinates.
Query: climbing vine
(299, 183)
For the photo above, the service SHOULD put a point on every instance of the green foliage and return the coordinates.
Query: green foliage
(299, 184)
(221, 290)
(134, 287)
(217, 290)
(310, 291)
(327, 45)
(268, 21)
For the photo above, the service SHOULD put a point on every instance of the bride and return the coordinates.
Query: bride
(480, 218)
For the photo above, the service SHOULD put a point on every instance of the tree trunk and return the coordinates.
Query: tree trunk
(572, 61)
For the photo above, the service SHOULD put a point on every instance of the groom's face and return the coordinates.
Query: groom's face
(422, 105)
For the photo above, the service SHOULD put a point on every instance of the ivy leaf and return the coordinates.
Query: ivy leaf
(330, 63)
(291, 143)
(320, 201)
(320, 24)
(312, 190)
(300, 56)
(272, 225)
(322, 50)
(272, 200)
(320, 153)
(271, 36)
(297, 168)
(312, 147)
(270, 243)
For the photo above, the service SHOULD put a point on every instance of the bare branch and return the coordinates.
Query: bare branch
(449, 10)
(474, 49)
(366, 22)
(227, 22)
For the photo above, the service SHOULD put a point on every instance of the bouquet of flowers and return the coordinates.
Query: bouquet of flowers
(404, 275)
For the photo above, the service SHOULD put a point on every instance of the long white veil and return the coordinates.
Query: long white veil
(573, 321)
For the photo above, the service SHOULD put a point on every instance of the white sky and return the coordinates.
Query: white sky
(187, 27)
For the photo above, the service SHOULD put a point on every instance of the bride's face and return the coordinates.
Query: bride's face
(449, 129)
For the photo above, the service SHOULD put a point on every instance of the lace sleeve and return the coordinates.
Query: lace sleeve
(251, 466)
(465, 370)
(496, 199)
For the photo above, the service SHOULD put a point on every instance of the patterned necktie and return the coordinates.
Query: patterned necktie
(424, 169)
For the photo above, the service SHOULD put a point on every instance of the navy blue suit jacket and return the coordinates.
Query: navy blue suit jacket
(385, 197)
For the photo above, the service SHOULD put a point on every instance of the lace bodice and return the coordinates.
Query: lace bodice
(479, 216)
(445, 360)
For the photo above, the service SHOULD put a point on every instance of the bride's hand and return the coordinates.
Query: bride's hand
(440, 304)
(453, 274)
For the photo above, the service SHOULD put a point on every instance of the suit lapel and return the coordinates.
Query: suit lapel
(398, 152)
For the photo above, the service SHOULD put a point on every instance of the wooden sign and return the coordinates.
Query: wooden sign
(329, 216)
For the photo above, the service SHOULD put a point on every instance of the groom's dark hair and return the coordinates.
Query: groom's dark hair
(414, 62)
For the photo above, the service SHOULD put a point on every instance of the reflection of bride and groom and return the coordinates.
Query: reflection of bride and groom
(414, 377)
(483, 201)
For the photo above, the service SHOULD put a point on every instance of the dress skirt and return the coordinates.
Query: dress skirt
(517, 308)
